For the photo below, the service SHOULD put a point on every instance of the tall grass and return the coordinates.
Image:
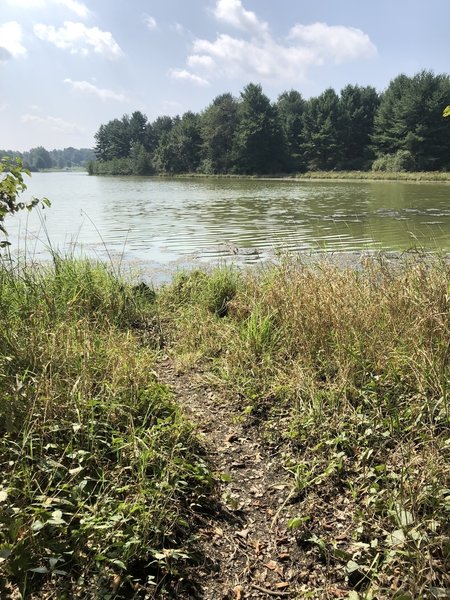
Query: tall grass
(359, 361)
(98, 468)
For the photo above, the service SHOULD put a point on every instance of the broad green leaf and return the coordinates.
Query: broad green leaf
(39, 570)
(297, 522)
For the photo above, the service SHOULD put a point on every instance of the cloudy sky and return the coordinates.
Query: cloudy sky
(66, 66)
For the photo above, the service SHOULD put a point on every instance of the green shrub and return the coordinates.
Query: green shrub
(400, 162)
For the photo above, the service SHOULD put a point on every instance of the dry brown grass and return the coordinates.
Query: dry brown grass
(359, 359)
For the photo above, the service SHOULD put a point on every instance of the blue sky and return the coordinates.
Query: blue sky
(66, 66)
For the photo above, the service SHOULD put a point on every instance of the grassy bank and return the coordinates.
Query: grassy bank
(377, 175)
(351, 369)
(102, 479)
(424, 176)
(99, 472)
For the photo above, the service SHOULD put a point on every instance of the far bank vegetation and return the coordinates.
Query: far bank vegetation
(403, 129)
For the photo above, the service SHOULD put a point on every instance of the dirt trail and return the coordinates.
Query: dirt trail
(250, 551)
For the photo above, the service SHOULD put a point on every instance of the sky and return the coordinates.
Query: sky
(67, 66)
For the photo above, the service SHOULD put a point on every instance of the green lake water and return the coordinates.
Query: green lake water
(205, 219)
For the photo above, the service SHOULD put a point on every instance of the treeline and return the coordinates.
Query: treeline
(39, 158)
(401, 129)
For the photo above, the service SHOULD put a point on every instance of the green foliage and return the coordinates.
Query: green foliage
(410, 118)
(446, 112)
(358, 108)
(212, 292)
(11, 186)
(290, 106)
(179, 149)
(219, 122)
(259, 145)
(321, 131)
(100, 473)
(40, 158)
(400, 162)
(252, 135)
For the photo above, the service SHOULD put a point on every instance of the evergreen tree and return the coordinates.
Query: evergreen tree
(322, 131)
(410, 120)
(259, 144)
(290, 107)
(218, 127)
(358, 108)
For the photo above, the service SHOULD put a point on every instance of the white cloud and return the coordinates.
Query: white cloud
(183, 75)
(334, 42)
(233, 13)
(258, 54)
(53, 123)
(11, 41)
(150, 22)
(79, 39)
(88, 88)
(200, 61)
(80, 9)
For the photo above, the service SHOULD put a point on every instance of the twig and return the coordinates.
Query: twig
(282, 507)
(269, 592)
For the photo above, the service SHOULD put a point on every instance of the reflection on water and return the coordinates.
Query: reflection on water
(165, 219)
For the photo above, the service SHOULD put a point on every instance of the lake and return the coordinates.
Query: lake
(175, 221)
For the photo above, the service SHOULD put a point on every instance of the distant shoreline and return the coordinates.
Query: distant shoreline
(424, 176)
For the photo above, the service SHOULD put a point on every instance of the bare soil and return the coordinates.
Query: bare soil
(249, 549)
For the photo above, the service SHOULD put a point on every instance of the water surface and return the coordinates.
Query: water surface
(165, 220)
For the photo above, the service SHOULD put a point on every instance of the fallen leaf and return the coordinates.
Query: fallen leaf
(274, 566)
(237, 592)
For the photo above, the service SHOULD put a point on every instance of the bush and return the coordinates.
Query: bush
(400, 162)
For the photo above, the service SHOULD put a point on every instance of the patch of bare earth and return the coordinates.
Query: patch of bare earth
(249, 550)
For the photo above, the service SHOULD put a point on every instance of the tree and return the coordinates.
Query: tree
(358, 106)
(290, 106)
(179, 150)
(11, 186)
(259, 143)
(137, 128)
(322, 131)
(410, 119)
(38, 158)
(155, 131)
(116, 138)
(218, 127)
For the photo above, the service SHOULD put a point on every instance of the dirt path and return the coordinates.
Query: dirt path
(250, 551)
